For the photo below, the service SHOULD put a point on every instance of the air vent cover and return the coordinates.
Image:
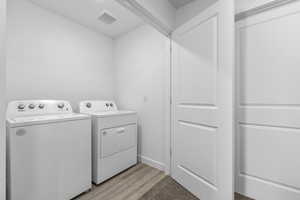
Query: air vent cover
(106, 18)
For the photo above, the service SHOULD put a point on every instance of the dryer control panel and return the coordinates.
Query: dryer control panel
(37, 107)
(97, 106)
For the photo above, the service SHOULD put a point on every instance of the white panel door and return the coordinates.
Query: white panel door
(268, 117)
(202, 135)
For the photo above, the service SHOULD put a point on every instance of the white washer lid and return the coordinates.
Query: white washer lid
(44, 119)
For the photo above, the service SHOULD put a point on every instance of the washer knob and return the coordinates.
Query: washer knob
(41, 106)
(61, 105)
(111, 105)
(88, 105)
(107, 104)
(21, 106)
(31, 106)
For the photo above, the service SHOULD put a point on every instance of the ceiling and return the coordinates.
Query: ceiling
(87, 12)
(179, 3)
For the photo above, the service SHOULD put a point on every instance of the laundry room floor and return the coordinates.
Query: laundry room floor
(141, 182)
(130, 185)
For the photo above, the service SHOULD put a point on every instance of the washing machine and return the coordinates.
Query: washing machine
(48, 151)
(114, 138)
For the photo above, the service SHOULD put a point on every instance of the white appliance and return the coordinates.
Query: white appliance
(114, 138)
(49, 151)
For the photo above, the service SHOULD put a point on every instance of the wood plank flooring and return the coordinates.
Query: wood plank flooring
(129, 185)
(241, 197)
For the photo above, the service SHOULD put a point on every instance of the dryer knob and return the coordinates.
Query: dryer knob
(41, 106)
(61, 105)
(88, 105)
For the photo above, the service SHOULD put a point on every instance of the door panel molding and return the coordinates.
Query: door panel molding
(268, 106)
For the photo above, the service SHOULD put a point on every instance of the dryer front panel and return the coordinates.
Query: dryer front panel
(117, 139)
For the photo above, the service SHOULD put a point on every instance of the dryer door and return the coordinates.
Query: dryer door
(117, 139)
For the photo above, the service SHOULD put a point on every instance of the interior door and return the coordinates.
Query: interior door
(268, 120)
(202, 124)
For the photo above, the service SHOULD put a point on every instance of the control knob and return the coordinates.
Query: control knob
(21, 106)
(31, 106)
(41, 106)
(88, 105)
(61, 105)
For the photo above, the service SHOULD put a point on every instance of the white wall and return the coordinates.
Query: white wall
(50, 57)
(2, 97)
(243, 5)
(142, 64)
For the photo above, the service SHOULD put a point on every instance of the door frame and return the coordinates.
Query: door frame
(226, 44)
(2, 99)
(169, 117)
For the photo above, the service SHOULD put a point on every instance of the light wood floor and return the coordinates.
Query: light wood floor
(240, 197)
(129, 185)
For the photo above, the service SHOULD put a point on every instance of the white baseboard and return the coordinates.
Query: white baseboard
(152, 163)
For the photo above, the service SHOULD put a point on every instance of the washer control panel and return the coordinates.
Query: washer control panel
(97, 106)
(38, 107)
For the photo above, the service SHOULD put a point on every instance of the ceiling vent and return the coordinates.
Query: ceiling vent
(106, 18)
